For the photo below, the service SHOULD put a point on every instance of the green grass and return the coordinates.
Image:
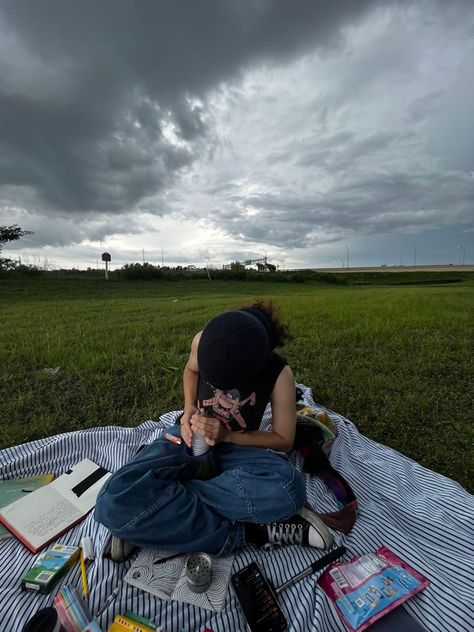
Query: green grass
(396, 360)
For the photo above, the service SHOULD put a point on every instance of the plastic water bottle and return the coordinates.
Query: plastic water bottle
(199, 445)
(203, 453)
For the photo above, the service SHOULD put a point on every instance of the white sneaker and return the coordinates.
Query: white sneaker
(304, 528)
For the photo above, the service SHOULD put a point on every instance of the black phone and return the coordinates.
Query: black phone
(258, 601)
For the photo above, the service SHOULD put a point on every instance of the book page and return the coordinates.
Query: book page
(41, 516)
(69, 481)
(13, 489)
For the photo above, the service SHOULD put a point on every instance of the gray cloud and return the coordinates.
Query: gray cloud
(48, 231)
(339, 151)
(88, 131)
(364, 204)
(423, 108)
(281, 124)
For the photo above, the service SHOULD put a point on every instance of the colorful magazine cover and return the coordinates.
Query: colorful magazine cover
(367, 587)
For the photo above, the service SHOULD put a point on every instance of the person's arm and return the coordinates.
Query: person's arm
(282, 435)
(190, 384)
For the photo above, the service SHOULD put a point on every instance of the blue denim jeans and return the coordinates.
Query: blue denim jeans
(153, 501)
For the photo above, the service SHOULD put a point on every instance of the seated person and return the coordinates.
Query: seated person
(255, 494)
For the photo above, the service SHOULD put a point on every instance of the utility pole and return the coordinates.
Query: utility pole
(143, 256)
(207, 267)
(414, 255)
(347, 257)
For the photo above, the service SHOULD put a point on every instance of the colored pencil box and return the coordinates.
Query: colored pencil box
(49, 567)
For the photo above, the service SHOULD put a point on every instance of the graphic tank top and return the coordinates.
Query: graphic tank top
(241, 408)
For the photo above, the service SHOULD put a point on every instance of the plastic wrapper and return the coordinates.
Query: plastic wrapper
(367, 587)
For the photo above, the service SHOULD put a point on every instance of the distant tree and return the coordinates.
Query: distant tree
(10, 233)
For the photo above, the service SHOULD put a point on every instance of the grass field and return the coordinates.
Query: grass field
(396, 360)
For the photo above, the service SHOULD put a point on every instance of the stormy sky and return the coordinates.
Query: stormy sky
(203, 132)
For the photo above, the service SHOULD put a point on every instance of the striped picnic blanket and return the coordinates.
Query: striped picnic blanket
(424, 517)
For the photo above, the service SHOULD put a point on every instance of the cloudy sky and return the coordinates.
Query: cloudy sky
(195, 132)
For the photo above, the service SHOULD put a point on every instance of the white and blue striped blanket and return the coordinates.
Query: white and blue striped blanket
(424, 517)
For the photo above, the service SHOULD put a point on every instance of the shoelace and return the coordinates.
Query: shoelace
(284, 533)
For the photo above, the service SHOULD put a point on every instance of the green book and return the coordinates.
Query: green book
(16, 488)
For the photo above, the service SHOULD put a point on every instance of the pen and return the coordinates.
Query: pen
(108, 601)
(85, 587)
(317, 566)
(167, 559)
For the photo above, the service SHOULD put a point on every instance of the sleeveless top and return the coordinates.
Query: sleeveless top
(241, 408)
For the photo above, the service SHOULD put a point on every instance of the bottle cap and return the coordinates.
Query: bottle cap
(87, 548)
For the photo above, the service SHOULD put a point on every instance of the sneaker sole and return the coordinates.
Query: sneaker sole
(318, 524)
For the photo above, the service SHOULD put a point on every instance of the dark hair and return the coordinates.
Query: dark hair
(280, 332)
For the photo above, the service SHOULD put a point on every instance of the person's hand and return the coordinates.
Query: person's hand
(210, 428)
(186, 431)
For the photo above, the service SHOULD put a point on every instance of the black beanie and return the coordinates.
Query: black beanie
(233, 348)
(266, 321)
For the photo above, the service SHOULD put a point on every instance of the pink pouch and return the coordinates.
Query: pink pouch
(367, 587)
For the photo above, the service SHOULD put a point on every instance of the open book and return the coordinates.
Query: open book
(43, 515)
(167, 580)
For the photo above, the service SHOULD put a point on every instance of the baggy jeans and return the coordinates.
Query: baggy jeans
(154, 502)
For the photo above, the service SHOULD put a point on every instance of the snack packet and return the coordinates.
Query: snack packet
(367, 587)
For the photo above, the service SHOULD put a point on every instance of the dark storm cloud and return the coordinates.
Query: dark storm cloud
(90, 132)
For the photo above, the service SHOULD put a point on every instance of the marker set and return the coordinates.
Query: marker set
(72, 609)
